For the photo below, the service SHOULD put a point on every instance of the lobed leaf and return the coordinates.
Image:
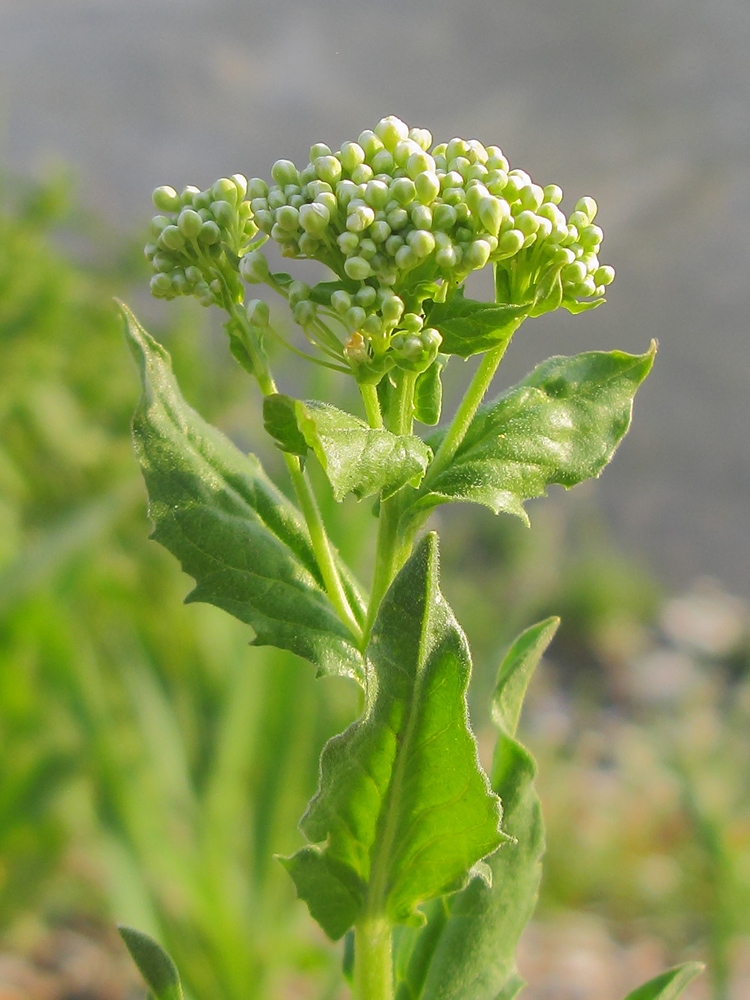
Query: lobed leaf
(469, 327)
(242, 541)
(356, 458)
(403, 810)
(561, 424)
(154, 964)
(468, 947)
(669, 984)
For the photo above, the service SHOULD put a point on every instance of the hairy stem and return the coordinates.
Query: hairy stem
(372, 405)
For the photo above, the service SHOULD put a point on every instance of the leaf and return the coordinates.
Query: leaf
(561, 424)
(241, 540)
(472, 943)
(669, 984)
(428, 392)
(154, 964)
(470, 327)
(356, 458)
(403, 810)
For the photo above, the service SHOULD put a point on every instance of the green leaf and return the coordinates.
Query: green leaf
(469, 327)
(669, 984)
(154, 964)
(468, 948)
(561, 424)
(356, 458)
(241, 540)
(403, 810)
(428, 392)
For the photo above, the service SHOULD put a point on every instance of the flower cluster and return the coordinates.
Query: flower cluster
(198, 239)
(398, 220)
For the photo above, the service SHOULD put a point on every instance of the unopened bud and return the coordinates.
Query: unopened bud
(254, 267)
(166, 199)
(258, 312)
(357, 268)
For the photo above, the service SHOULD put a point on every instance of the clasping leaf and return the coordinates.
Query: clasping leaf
(242, 541)
(356, 458)
(469, 327)
(403, 810)
(561, 424)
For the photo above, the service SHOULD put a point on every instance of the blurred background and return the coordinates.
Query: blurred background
(150, 768)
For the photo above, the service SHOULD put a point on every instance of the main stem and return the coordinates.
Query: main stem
(373, 959)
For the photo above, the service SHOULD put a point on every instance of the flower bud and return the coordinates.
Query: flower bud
(476, 255)
(257, 188)
(397, 218)
(304, 312)
(189, 223)
(590, 237)
(314, 218)
(392, 309)
(553, 194)
(370, 143)
(422, 137)
(341, 301)
(160, 285)
(348, 242)
(391, 131)
(403, 190)
(298, 291)
(224, 213)
(406, 258)
(328, 169)
(421, 216)
(531, 197)
(193, 274)
(427, 185)
(422, 242)
(496, 159)
(491, 213)
(447, 258)
(166, 199)
(412, 323)
(276, 199)
(225, 190)
(284, 172)
(527, 223)
(319, 149)
(418, 163)
(393, 244)
(287, 217)
(382, 162)
(604, 275)
(254, 267)
(443, 217)
(456, 147)
(258, 312)
(171, 238)
(351, 156)
(380, 231)
(359, 218)
(188, 194)
(510, 243)
(376, 194)
(357, 268)
(404, 150)
(355, 317)
(362, 174)
(589, 208)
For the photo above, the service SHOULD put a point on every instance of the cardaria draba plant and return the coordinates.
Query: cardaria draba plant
(427, 865)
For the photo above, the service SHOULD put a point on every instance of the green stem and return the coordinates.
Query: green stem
(372, 405)
(392, 549)
(373, 959)
(465, 412)
(321, 545)
(303, 490)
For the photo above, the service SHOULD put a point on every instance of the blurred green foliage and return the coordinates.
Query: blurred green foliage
(152, 764)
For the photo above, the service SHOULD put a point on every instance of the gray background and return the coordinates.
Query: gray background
(641, 103)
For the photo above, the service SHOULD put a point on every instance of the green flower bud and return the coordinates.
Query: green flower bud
(372, 326)
(202, 200)
(476, 151)
(319, 149)
(362, 174)
(574, 273)
(345, 191)
(590, 237)
(258, 313)
(405, 149)
(376, 194)
(367, 249)
(150, 250)
(189, 223)
(225, 190)
(357, 268)
(553, 194)
(348, 242)
(422, 137)
(382, 162)
(391, 131)
(287, 218)
(304, 312)
(477, 172)
(264, 221)
(166, 199)
(397, 218)
(393, 244)
(254, 267)
(589, 208)
(359, 218)
(496, 159)
(403, 190)
(427, 185)
(531, 197)
(447, 257)
(158, 224)
(412, 323)
(421, 216)
(284, 172)
(240, 183)
(456, 147)
(496, 181)
(193, 274)
(162, 261)
(527, 223)
(313, 218)
(510, 243)
(578, 219)
(380, 231)
(370, 143)
(444, 217)
(351, 156)
(328, 200)
(257, 188)
(422, 242)
(224, 213)
(461, 165)
(604, 275)
(328, 169)
(366, 296)
(431, 338)
(392, 309)
(298, 291)
(453, 196)
(276, 198)
(188, 194)
(418, 163)
(491, 213)
(171, 238)
(161, 285)
(341, 301)
(355, 317)
(405, 258)
(476, 255)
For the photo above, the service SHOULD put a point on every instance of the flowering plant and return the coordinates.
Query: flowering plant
(428, 866)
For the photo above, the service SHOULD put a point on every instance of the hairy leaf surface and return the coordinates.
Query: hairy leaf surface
(241, 540)
(469, 327)
(403, 810)
(356, 458)
(561, 424)
(154, 964)
(468, 947)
